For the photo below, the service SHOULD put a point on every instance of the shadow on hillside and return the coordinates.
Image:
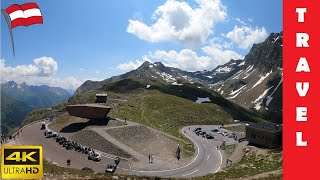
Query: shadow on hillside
(75, 127)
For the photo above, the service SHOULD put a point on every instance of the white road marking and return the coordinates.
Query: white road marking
(204, 145)
(208, 157)
(220, 161)
(190, 173)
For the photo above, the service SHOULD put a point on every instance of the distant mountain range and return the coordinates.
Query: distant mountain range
(35, 96)
(17, 100)
(254, 82)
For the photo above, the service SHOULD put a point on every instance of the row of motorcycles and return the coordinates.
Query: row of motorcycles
(68, 144)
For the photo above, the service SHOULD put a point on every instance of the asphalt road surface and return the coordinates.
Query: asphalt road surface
(52, 151)
(207, 158)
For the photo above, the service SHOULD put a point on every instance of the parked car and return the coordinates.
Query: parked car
(226, 134)
(87, 169)
(94, 157)
(231, 135)
(111, 168)
(50, 134)
(214, 130)
(209, 136)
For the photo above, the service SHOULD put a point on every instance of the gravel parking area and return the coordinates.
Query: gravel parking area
(94, 140)
(148, 142)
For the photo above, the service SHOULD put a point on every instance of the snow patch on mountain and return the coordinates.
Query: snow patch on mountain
(238, 92)
(269, 98)
(223, 70)
(236, 76)
(259, 100)
(167, 77)
(176, 84)
(275, 39)
(241, 64)
(261, 80)
(247, 75)
(201, 100)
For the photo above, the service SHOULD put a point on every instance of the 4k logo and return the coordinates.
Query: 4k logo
(22, 162)
(15, 156)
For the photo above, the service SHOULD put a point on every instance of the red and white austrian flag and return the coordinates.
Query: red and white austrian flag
(24, 15)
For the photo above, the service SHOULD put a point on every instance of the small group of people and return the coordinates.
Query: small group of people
(151, 158)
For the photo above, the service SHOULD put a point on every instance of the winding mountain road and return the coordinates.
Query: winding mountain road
(207, 158)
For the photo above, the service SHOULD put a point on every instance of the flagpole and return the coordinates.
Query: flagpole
(10, 29)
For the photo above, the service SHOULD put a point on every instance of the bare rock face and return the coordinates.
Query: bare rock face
(89, 111)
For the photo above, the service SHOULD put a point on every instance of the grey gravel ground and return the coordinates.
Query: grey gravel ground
(94, 140)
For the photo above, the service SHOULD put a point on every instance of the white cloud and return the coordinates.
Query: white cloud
(133, 64)
(46, 65)
(241, 21)
(245, 36)
(40, 73)
(187, 59)
(130, 65)
(219, 56)
(177, 21)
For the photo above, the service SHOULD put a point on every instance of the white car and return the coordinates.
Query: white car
(94, 157)
(50, 134)
(111, 168)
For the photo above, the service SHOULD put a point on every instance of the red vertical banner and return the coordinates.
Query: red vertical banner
(301, 89)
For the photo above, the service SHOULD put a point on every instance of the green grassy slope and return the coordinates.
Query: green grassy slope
(13, 113)
(166, 107)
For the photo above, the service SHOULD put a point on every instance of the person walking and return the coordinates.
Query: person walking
(149, 158)
(68, 162)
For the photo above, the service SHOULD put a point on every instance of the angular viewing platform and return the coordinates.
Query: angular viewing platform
(89, 111)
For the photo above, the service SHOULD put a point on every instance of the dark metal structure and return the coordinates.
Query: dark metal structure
(101, 98)
(264, 134)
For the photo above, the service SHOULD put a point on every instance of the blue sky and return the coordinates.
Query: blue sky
(95, 40)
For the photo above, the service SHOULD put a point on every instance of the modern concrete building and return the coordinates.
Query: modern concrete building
(264, 134)
(101, 98)
(89, 111)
